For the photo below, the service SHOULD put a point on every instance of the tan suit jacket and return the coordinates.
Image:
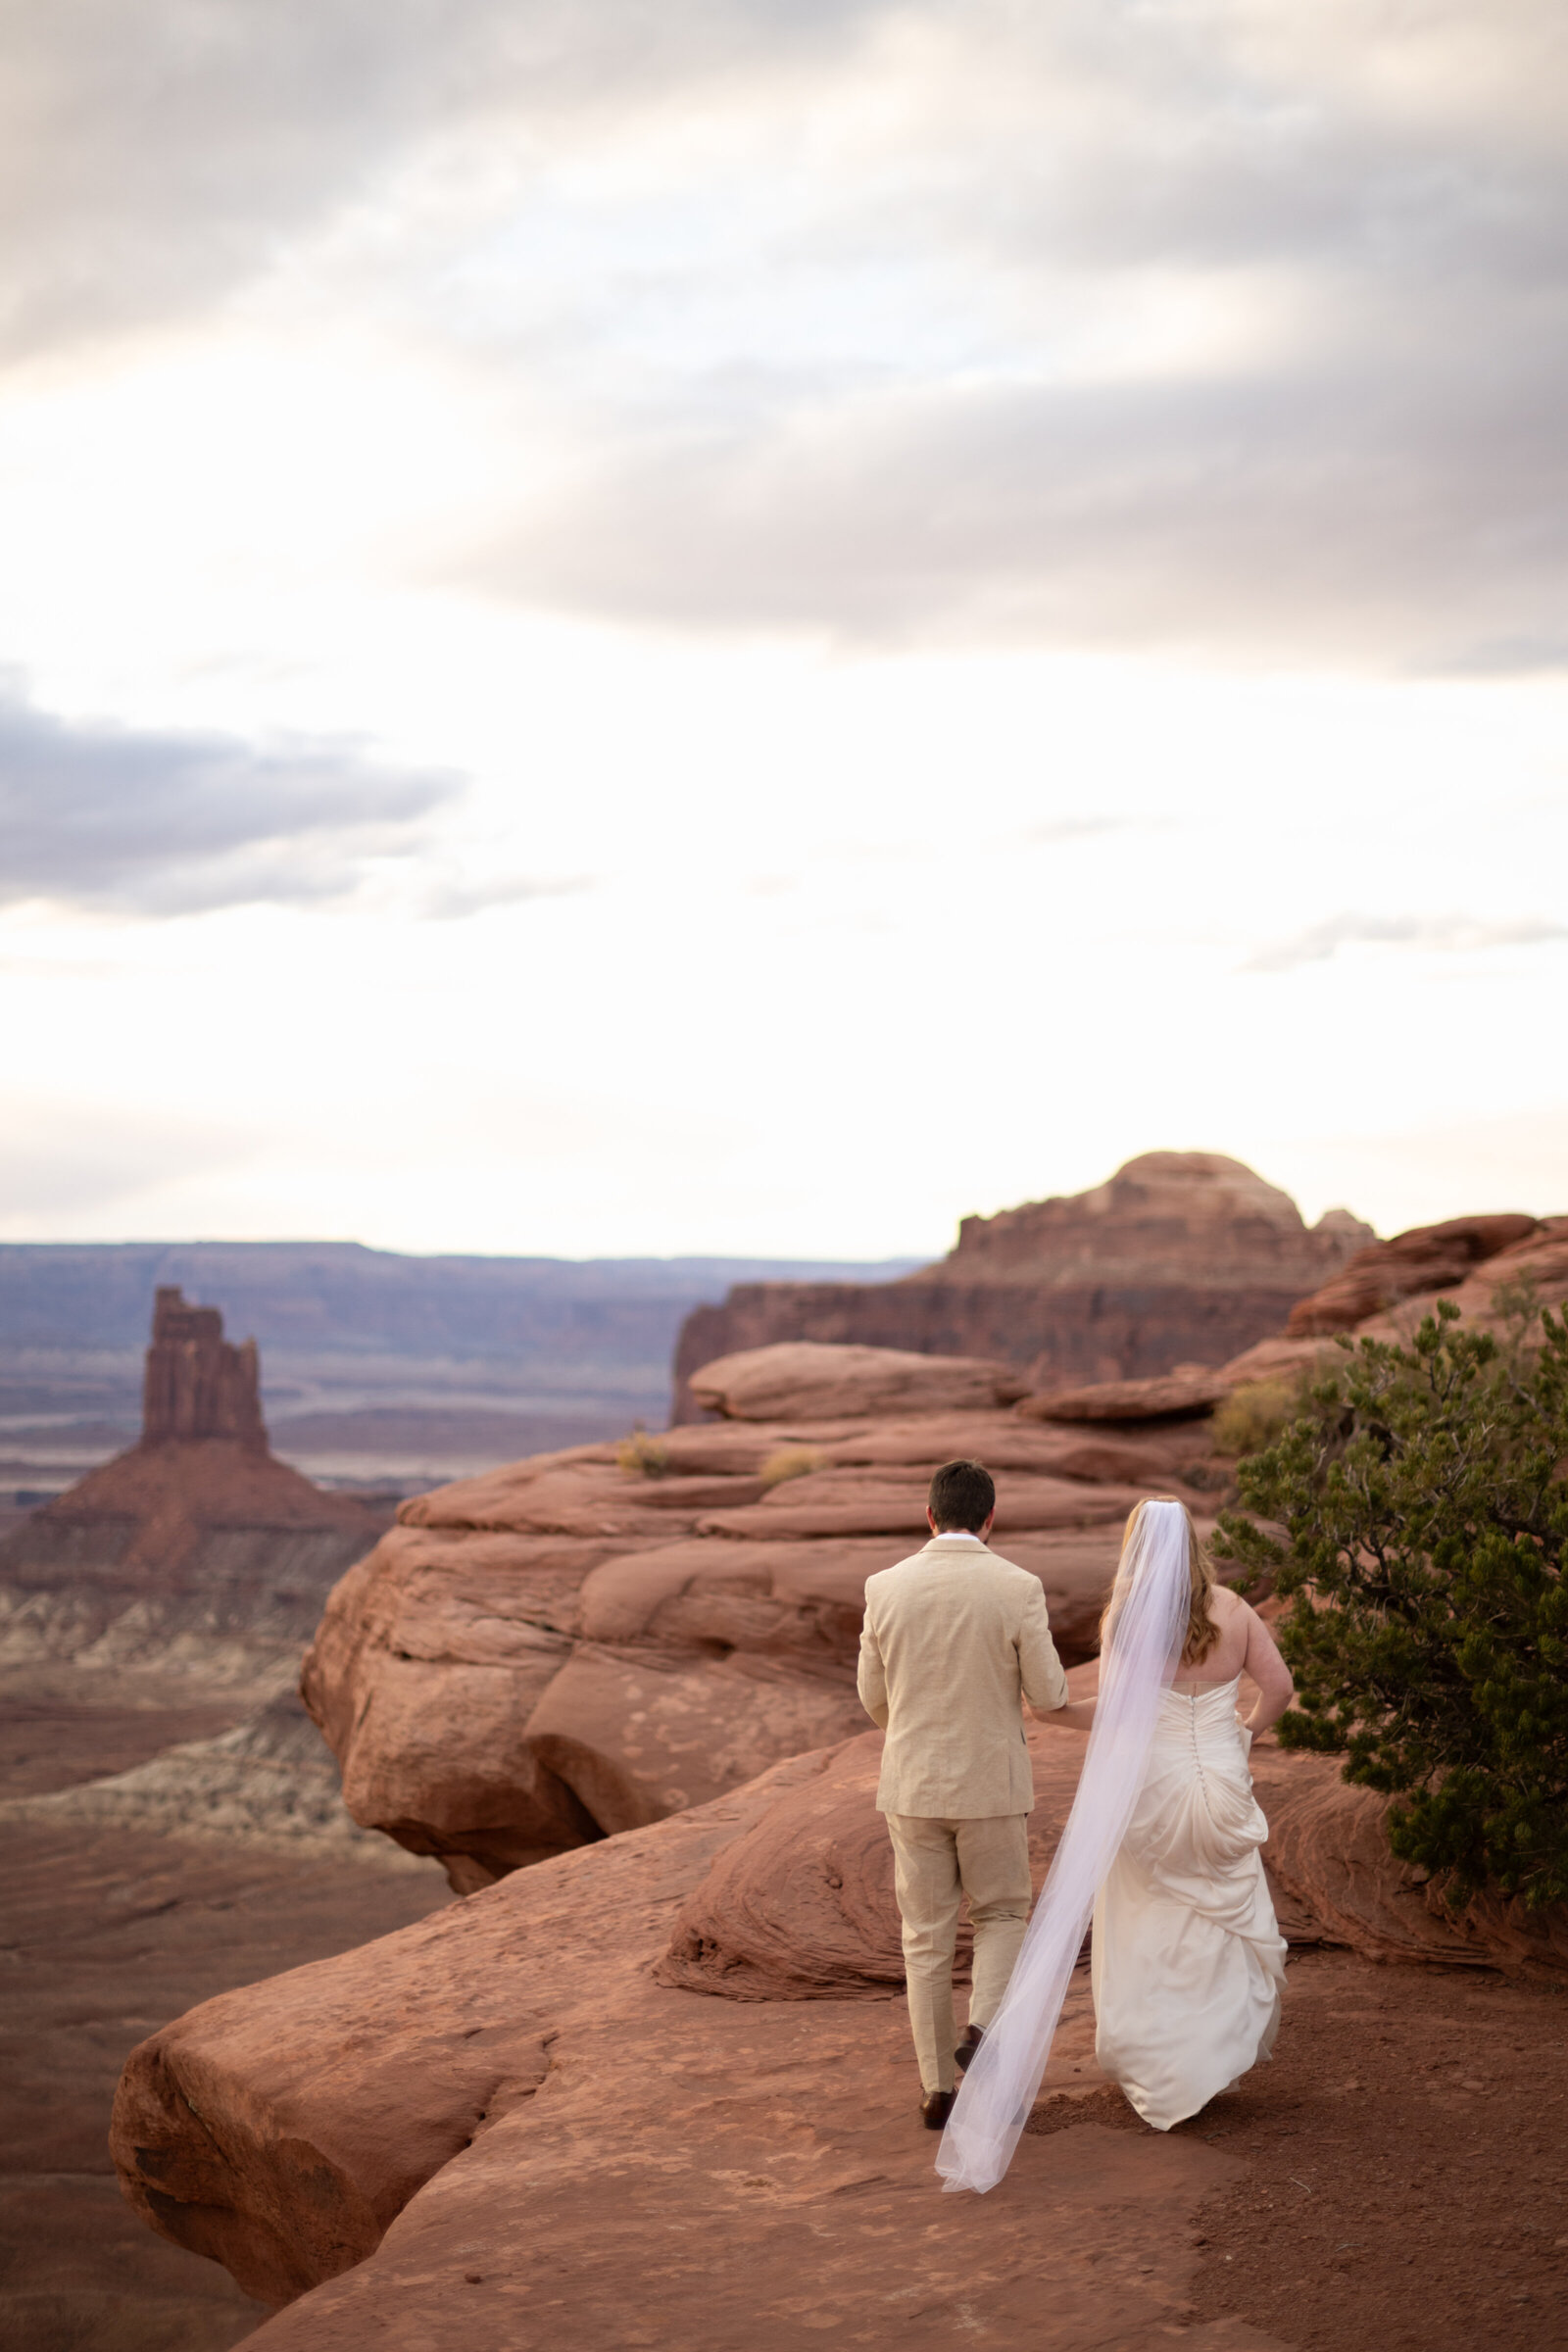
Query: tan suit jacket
(952, 1640)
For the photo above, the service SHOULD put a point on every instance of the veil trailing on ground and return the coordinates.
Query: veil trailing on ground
(1146, 1628)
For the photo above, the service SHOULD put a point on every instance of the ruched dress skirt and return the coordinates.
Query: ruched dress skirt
(1187, 1962)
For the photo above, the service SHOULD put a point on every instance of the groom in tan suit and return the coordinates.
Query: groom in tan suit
(953, 1639)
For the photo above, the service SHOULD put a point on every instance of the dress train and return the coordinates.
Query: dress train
(1187, 1962)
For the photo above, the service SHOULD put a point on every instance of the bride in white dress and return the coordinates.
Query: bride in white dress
(1163, 1844)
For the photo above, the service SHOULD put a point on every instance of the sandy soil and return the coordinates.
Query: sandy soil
(58, 1729)
(1406, 2181)
(106, 1937)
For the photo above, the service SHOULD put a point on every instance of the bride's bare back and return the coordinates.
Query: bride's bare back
(1244, 1646)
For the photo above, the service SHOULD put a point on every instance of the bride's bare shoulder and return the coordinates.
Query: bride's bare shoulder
(1226, 1604)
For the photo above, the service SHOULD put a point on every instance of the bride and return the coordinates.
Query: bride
(1163, 1847)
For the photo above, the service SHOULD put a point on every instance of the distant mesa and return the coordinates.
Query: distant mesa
(1166, 1216)
(1180, 1257)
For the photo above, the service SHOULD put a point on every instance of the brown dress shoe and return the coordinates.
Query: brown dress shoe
(968, 2042)
(936, 2107)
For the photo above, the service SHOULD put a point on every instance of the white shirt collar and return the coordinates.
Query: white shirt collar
(958, 1535)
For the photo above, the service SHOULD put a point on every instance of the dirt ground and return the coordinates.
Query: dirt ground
(1406, 2154)
(105, 1937)
(1405, 2157)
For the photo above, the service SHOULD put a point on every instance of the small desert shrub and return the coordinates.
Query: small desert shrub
(790, 1461)
(1426, 1514)
(643, 1456)
(1253, 1417)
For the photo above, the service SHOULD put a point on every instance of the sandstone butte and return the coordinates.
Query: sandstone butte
(655, 2087)
(195, 1550)
(1179, 1258)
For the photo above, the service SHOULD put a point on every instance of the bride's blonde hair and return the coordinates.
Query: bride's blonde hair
(1202, 1630)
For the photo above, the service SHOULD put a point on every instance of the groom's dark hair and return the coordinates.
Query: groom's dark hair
(962, 1495)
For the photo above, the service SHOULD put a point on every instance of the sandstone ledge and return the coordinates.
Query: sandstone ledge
(528, 2094)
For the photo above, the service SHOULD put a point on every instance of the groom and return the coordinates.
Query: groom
(952, 1640)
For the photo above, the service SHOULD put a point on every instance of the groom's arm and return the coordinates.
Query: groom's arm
(1045, 1686)
(871, 1679)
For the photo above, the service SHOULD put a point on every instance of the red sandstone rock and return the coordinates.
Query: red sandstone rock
(1281, 1361)
(803, 1906)
(523, 2096)
(1539, 1259)
(741, 1448)
(1165, 1217)
(1006, 1444)
(1175, 1396)
(833, 1383)
(427, 1666)
(1427, 1259)
(195, 1384)
(1537, 1263)
(585, 1493)
(846, 1502)
(195, 1548)
(446, 1673)
(1328, 1845)
(1180, 1257)
(784, 1597)
(447, 1678)
(497, 2116)
(639, 1734)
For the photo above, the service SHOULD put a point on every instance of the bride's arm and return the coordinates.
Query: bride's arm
(1268, 1670)
(1078, 1714)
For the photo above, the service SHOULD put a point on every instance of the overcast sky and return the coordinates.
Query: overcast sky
(747, 625)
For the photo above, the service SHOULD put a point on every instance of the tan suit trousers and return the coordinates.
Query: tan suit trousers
(935, 1864)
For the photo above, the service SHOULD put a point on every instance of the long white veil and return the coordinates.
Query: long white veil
(1145, 1631)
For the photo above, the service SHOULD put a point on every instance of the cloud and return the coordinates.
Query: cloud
(1361, 501)
(1223, 327)
(1440, 935)
(140, 823)
(1226, 329)
(153, 158)
(1057, 830)
(455, 898)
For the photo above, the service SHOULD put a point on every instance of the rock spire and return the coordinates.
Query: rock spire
(197, 1385)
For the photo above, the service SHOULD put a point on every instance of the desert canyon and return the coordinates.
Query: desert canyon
(578, 2020)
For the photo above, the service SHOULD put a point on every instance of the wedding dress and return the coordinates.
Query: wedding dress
(1161, 1846)
(1188, 1963)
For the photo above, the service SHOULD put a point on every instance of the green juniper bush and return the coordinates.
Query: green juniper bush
(1422, 1496)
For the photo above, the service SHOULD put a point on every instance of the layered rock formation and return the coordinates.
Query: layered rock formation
(195, 1385)
(1492, 1287)
(1426, 1259)
(1182, 1257)
(266, 1785)
(516, 2115)
(195, 1550)
(585, 1641)
(1193, 1215)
